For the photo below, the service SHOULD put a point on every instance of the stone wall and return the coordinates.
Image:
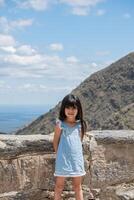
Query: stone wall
(112, 168)
(27, 166)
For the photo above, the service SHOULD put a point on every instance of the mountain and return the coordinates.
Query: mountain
(123, 119)
(107, 97)
(2, 133)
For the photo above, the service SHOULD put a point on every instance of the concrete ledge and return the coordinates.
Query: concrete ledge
(15, 145)
(114, 136)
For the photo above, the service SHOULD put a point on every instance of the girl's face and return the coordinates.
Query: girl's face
(71, 112)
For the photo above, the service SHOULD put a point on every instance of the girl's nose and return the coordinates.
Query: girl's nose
(71, 110)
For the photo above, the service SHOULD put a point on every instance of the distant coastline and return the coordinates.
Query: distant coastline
(13, 117)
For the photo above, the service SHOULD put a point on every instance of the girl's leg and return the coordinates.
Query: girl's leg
(77, 188)
(59, 186)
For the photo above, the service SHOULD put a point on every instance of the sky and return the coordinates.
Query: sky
(48, 47)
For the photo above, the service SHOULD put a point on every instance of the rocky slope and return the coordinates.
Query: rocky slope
(123, 118)
(107, 97)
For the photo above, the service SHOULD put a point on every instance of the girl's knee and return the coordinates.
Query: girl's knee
(59, 187)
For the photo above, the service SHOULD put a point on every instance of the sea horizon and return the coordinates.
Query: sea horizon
(14, 117)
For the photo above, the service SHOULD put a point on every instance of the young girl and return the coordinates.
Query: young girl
(67, 143)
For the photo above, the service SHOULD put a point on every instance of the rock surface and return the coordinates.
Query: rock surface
(27, 166)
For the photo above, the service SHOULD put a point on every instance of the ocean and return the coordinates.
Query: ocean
(13, 117)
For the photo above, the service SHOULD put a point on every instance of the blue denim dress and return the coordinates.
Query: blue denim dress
(69, 157)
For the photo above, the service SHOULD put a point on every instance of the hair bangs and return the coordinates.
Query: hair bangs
(71, 104)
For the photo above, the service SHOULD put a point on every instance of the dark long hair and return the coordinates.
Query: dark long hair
(71, 100)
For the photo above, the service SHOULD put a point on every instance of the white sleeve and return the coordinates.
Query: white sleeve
(59, 123)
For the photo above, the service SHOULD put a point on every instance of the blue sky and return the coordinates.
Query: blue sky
(48, 47)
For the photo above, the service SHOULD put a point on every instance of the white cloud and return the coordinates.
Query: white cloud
(21, 23)
(26, 73)
(81, 7)
(100, 12)
(61, 88)
(6, 40)
(56, 47)
(72, 59)
(80, 11)
(30, 87)
(93, 64)
(27, 86)
(2, 82)
(127, 16)
(38, 5)
(39, 66)
(8, 25)
(81, 2)
(22, 60)
(4, 85)
(42, 87)
(26, 50)
(9, 49)
(53, 88)
(2, 2)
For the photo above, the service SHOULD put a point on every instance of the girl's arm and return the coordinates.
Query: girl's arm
(56, 139)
